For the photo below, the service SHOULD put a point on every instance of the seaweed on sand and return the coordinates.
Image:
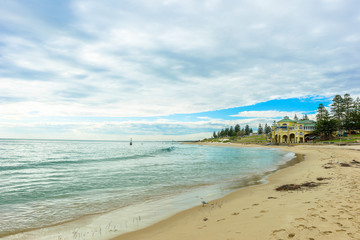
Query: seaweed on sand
(292, 187)
(345, 165)
(355, 162)
(322, 178)
(328, 165)
(288, 187)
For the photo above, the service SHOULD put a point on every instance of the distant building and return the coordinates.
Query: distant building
(291, 131)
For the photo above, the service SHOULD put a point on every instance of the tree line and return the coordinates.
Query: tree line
(344, 116)
(305, 117)
(237, 131)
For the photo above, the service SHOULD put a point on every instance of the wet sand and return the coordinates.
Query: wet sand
(326, 204)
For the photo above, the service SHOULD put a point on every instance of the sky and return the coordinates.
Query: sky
(170, 69)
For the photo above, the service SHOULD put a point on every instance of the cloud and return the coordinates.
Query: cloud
(156, 129)
(142, 59)
(268, 114)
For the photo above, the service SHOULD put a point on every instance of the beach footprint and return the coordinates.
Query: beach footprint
(278, 231)
(204, 226)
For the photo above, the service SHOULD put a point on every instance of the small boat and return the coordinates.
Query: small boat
(130, 141)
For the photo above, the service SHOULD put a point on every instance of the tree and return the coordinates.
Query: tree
(231, 132)
(357, 104)
(260, 129)
(222, 133)
(321, 112)
(325, 125)
(237, 129)
(348, 106)
(356, 113)
(250, 131)
(242, 132)
(296, 118)
(355, 116)
(348, 102)
(352, 121)
(226, 132)
(337, 110)
(215, 135)
(325, 128)
(247, 130)
(267, 129)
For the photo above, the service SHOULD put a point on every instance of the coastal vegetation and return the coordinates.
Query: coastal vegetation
(344, 118)
(257, 138)
(236, 131)
(341, 119)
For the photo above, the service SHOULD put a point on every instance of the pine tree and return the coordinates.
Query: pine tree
(226, 132)
(260, 129)
(356, 113)
(321, 111)
(348, 102)
(325, 125)
(357, 104)
(348, 106)
(247, 130)
(214, 135)
(231, 132)
(222, 133)
(237, 129)
(337, 110)
(296, 118)
(242, 132)
(267, 129)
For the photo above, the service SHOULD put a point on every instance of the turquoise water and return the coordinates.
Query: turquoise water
(46, 182)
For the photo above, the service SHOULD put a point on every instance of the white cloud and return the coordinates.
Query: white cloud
(141, 58)
(158, 129)
(352, 38)
(268, 114)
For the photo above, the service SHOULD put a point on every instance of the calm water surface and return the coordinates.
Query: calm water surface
(46, 182)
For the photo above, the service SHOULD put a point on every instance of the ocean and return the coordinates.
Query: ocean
(62, 189)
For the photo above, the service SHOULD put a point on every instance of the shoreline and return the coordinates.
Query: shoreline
(328, 211)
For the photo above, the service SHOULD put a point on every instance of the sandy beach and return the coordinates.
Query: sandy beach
(326, 204)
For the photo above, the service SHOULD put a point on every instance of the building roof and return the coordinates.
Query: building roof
(286, 119)
(307, 122)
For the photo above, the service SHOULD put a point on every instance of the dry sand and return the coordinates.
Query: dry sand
(328, 211)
